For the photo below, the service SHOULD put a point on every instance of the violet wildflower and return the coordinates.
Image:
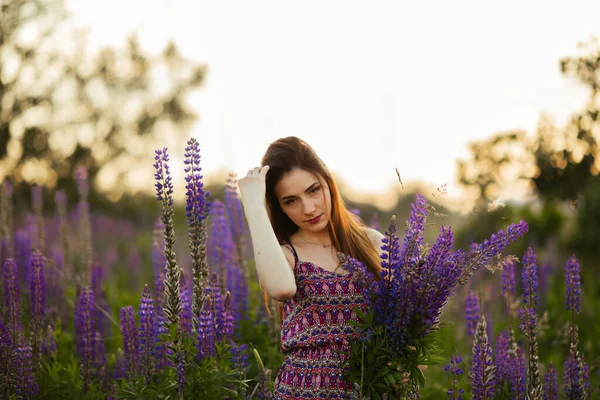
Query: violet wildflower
(85, 230)
(239, 357)
(206, 334)
(472, 312)
(147, 335)
(85, 333)
(502, 358)
(23, 247)
(482, 254)
(60, 198)
(7, 354)
(528, 320)
(103, 323)
(216, 296)
(37, 201)
(100, 358)
(27, 385)
(186, 317)
(518, 374)
(130, 341)
(180, 375)
(49, 343)
(508, 281)
(574, 384)
(159, 262)
(38, 302)
(550, 384)
(573, 284)
(530, 279)
(454, 392)
(482, 375)
(227, 328)
(164, 193)
(12, 299)
(413, 239)
(235, 216)
(6, 216)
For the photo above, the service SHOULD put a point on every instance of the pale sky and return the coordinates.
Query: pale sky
(370, 85)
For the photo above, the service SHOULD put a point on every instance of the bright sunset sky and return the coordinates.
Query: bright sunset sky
(370, 85)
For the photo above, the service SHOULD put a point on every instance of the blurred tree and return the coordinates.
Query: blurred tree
(61, 106)
(562, 166)
(501, 159)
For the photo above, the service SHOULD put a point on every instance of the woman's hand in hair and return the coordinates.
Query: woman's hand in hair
(253, 187)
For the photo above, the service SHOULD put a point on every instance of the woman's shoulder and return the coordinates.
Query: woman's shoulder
(373, 234)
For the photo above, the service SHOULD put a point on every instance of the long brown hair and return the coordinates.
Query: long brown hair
(347, 235)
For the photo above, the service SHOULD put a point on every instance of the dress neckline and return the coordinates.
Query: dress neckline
(323, 269)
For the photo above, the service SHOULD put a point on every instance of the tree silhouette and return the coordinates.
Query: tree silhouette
(61, 107)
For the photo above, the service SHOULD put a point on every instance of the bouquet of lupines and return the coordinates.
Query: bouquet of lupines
(406, 301)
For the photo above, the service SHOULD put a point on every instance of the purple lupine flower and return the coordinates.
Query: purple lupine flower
(103, 323)
(573, 372)
(85, 231)
(85, 332)
(502, 358)
(180, 375)
(130, 341)
(196, 213)
(23, 247)
(206, 330)
(455, 370)
(585, 378)
(482, 254)
(38, 301)
(472, 312)
(147, 335)
(518, 375)
(164, 186)
(550, 384)
(482, 373)
(227, 328)
(164, 192)
(239, 357)
(159, 262)
(216, 296)
(120, 371)
(414, 233)
(12, 299)
(27, 385)
(508, 280)
(162, 347)
(6, 350)
(99, 357)
(185, 318)
(528, 319)
(234, 212)
(573, 283)
(134, 260)
(530, 279)
(49, 343)
(37, 201)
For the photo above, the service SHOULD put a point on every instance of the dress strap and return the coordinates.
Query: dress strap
(294, 251)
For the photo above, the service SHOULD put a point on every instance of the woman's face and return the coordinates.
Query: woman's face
(305, 199)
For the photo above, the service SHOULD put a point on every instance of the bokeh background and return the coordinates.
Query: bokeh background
(489, 110)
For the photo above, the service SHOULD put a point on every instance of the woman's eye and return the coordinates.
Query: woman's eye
(315, 190)
(289, 202)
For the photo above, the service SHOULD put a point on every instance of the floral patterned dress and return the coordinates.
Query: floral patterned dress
(315, 334)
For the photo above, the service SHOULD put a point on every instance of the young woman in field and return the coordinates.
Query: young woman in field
(298, 224)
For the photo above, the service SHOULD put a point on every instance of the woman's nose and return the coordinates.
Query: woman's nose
(309, 207)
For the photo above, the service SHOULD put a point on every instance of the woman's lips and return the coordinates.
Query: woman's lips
(314, 220)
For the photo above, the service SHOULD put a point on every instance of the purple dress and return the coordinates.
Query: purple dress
(315, 334)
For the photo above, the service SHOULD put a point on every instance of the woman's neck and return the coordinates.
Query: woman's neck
(317, 238)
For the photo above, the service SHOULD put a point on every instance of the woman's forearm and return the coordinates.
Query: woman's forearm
(274, 272)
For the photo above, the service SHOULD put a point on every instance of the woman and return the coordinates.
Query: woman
(298, 224)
